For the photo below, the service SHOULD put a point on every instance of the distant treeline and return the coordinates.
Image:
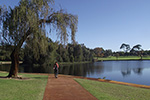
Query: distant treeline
(32, 54)
(58, 52)
(135, 51)
(107, 53)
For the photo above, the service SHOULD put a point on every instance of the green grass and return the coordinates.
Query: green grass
(109, 91)
(31, 89)
(123, 58)
(65, 63)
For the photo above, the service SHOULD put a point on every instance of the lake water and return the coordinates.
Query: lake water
(137, 72)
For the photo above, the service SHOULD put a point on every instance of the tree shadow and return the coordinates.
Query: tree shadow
(20, 78)
(3, 77)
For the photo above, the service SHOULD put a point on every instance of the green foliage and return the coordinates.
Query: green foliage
(126, 47)
(108, 53)
(78, 53)
(28, 21)
(57, 52)
(63, 52)
(109, 91)
(29, 18)
(99, 52)
(5, 52)
(71, 58)
(62, 20)
(40, 56)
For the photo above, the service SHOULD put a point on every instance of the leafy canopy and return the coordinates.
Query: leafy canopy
(29, 18)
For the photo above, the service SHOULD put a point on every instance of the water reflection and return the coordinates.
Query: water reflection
(138, 71)
(78, 69)
(4, 67)
(127, 71)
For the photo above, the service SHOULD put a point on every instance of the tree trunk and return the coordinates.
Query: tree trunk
(141, 56)
(15, 56)
(14, 64)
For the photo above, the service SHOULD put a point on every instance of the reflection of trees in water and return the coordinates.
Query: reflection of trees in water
(87, 69)
(135, 70)
(4, 67)
(76, 69)
(138, 71)
(80, 69)
(38, 69)
(73, 69)
(126, 72)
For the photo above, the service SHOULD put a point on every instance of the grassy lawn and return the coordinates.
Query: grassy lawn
(31, 89)
(123, 58)
(109, 91)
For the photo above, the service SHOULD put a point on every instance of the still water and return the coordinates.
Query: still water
(137, 72)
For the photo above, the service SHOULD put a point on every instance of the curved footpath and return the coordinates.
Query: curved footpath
(65, 88)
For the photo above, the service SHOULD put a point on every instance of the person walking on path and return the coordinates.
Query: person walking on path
(56, 66)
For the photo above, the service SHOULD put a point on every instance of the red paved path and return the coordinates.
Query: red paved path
(65, 88)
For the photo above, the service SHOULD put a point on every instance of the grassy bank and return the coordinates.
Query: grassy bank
(65, 63)
(31, 89)
(122, 58)
(8, 62)
(109, 91)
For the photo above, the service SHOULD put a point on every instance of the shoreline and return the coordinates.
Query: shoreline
(126, 60)
(68, 63)
(122, 58)
(117, 82)
(95, 79)
(8, 62)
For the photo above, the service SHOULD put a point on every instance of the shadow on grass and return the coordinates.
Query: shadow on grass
(3, 77)
(20, 78)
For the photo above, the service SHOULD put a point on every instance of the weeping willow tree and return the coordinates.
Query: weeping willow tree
(29, 19)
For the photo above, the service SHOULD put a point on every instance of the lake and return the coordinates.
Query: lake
(137, 72)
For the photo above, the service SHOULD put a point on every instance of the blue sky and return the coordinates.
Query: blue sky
(108, 23)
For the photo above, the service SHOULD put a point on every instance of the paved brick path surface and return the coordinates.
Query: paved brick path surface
(65, 88)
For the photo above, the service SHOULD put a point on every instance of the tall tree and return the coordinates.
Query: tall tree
(78, 53)
(71, 51)
(137, 48)
(108, 53)
(28, 20)
(125, 47)
(99, 52)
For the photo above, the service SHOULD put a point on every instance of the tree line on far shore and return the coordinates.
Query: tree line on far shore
(127, 51)
(33, 54)
(134, 51)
